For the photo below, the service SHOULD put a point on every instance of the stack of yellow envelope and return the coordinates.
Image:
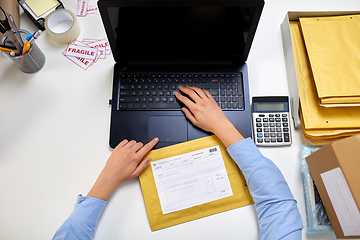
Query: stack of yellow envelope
(333, 48)
(322, 124)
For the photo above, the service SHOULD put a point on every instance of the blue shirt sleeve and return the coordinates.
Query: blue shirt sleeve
(277, 211)
(278, 215)
(82, 222)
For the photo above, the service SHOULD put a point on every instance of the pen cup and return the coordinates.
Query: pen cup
(30, 62)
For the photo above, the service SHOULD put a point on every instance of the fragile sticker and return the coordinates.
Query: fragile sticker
(93, 10)
(87, 52)
(101, 43)
(79, 51)
(82, 8)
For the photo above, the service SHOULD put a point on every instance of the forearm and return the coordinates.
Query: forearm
(264, 179)
(277, 211)
(83, 220)
(103, 187)
(228, 134)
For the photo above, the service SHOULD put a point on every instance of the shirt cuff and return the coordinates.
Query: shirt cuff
(244, 152)
(88, 210)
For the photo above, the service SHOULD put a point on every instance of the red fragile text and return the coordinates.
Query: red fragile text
(74, 50)
(83, 60)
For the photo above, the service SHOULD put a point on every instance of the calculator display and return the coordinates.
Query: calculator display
(270, 107)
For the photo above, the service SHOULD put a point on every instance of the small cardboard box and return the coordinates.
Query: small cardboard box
(335, 169)
(290, 59)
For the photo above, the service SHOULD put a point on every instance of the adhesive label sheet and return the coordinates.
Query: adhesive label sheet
(342, 201)
(191, 179)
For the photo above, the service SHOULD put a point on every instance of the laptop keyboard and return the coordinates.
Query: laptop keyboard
(155, 91)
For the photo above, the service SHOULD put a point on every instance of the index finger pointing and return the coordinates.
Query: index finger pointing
(147, 147)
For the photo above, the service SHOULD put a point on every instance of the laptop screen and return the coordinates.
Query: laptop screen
(177, 32)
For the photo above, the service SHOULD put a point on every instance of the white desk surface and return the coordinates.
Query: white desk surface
(54, 130)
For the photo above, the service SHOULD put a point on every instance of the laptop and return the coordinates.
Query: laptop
(160, 45)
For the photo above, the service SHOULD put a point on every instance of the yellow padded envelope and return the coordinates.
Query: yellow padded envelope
(241, 195)
(333, 48)
(325, 136)
(340, 102)
(314, 116)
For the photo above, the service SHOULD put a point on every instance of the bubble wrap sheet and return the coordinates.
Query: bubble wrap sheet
(317, 219)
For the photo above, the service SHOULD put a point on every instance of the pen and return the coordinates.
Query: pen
(35, 36)
(9, 50)
(29, 36)
(29, 40)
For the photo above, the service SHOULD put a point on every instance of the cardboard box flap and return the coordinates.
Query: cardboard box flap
(348, 152)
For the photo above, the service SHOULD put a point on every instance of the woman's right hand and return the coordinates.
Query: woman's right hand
(205, 113)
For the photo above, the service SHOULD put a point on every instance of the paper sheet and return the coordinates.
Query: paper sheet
(191, 179)
(342, 200)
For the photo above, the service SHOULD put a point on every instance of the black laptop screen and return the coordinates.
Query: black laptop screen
(168, 31)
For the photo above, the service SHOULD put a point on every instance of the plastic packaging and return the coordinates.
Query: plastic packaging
(317, 219)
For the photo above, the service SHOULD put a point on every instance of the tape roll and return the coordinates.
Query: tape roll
(62, 26)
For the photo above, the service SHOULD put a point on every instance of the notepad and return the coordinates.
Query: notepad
(40, 7)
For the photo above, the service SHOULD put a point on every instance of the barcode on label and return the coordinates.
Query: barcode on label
(211, 150)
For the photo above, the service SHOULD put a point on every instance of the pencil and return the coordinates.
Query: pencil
(24, 47)
(9, 50)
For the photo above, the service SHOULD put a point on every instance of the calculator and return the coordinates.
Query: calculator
(271, 121)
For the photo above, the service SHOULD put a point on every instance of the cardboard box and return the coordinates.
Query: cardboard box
(289, 56)
(335, 169)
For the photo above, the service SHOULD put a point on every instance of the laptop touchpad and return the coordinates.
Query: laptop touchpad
(169, 129)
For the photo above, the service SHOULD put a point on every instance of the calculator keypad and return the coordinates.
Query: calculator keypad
(271, 129)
